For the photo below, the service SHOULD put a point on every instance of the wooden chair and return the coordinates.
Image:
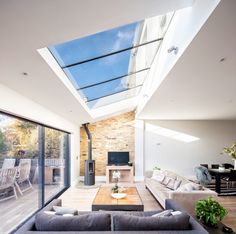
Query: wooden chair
(23, 175)
(7, 181)
(8, 163)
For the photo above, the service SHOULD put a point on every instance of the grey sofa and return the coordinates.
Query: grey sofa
(194, 226)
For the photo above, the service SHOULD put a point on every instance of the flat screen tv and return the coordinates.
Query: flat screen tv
(118, 158)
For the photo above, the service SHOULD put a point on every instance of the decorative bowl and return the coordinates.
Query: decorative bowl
(118, 195)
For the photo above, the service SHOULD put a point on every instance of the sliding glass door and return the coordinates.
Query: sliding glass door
(33, 168)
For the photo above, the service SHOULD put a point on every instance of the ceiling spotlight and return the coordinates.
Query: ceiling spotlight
(173, 48)
(222, 59)
(24, 73)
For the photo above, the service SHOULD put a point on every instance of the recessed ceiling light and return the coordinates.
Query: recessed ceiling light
(222, 59)
(24, 73)
(70, 111)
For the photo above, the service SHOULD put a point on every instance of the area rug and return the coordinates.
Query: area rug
(81, 185)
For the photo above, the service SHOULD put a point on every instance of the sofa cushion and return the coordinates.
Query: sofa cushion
(130, 222)
(86, 222)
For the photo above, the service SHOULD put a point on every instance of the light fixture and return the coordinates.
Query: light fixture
(222, 59)
(173, 48)
(24, 73)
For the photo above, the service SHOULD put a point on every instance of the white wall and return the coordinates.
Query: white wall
(184, 26)
(14, 103)
(182, 157)
(139, 149)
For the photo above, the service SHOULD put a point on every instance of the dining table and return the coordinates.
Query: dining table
(218, 174)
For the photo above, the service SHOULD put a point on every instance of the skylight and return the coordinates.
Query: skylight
(111, 66)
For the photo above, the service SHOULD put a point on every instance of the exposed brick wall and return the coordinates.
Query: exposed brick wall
(113, 134)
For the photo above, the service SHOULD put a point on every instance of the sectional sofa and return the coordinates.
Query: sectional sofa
(111, 220)
(185, 193)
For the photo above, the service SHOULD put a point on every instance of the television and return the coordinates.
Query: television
(118, 158)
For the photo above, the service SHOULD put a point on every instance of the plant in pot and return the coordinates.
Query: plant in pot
(231, 151)
(209, 211)
(116, 177)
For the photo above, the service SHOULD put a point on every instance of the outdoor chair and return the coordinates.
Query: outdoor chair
(22, 179)
(7, 181)
(8, 163)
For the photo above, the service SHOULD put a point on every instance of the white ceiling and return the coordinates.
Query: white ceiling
(199, 86)
(28, 25)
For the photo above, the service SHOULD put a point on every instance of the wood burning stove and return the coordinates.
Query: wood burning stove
(89, 170)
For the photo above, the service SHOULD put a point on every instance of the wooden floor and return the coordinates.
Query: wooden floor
(14, 211)
(82, 199)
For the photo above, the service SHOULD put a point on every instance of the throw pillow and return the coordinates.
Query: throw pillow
(49, 212)
(135, 223)
(87, 222)
(159, 177)
(189, 187)
(163, 213)
(176, 212)
(177, 184)
(166, 180)
(171, 183)
(60, 210)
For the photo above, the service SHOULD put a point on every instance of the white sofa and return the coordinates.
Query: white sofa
(186, 199)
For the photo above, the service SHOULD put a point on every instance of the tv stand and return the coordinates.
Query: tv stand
(126, 173)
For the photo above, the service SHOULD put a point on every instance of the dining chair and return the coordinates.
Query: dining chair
(227, 166)
(204, 165)
(215, 166)
(230, 179)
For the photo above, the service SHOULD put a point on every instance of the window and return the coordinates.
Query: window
(111, 66)
(22, 190)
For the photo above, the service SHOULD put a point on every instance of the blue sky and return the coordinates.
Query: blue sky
(101, 69)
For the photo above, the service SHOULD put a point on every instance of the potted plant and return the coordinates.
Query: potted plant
(116, 177)
(231, 151)
(210, 212)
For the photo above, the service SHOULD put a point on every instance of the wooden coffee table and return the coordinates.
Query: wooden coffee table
(104, 200)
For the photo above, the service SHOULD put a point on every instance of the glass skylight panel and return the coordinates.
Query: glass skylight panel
(114, 98)
(112, 65)
(95, 45)
(113, 87)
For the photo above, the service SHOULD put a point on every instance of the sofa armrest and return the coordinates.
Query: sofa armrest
(29, 225)
(187, 200)
(195, 226)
